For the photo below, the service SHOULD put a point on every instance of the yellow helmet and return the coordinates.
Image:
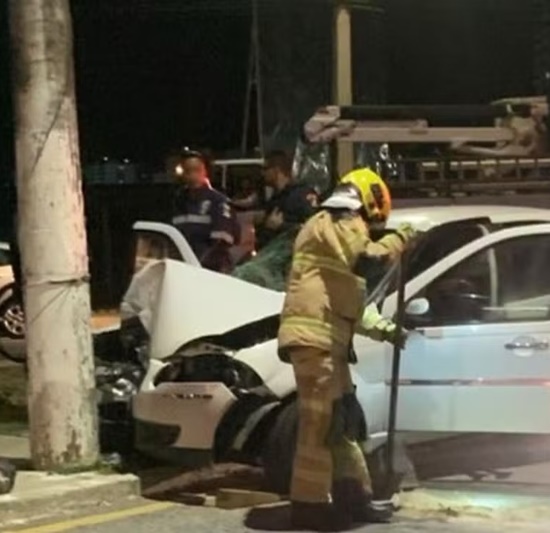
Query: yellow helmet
(375, 194)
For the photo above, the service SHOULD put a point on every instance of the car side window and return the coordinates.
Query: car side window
(504, 283)
(439, 243)
(152, 246)
(524, 288)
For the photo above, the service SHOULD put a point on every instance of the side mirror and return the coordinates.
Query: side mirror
(418, 307)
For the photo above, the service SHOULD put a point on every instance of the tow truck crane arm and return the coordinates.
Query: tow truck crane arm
(413, 124)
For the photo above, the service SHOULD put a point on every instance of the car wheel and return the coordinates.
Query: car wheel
(280, 445)
(12, 318)
(278, 453)
(404, 474)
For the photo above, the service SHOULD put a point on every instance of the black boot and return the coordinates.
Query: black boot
(319, 517)
(351, 498)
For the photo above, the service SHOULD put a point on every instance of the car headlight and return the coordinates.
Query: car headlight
(107, 374)
(123, 389)
(117, 381)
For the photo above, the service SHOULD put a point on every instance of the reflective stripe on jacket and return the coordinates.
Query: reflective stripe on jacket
(324, 298)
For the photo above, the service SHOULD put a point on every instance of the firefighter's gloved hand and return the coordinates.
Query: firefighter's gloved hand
(390, 334)
(407, 232)
(382, 329)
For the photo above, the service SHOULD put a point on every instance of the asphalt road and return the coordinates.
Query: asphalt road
(180, 518)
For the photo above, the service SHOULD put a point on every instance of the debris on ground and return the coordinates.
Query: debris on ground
(446, 504)
(240, 499)
(177, 487)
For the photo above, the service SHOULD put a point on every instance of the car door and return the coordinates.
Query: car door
(374, 361)
(155, 241)
(479, 359)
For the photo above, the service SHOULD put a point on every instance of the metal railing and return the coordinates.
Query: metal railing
(470, 175)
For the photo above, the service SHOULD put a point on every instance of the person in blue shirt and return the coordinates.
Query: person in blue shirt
(204, 216)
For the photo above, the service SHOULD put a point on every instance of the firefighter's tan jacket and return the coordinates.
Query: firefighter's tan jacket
(324, 298)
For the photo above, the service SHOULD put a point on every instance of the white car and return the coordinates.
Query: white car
(12, 320)
(477, 360)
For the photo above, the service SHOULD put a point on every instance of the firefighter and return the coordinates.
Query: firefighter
(323, 305)
(204, 216)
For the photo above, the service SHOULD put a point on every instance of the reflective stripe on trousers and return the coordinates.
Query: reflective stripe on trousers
(322, 378)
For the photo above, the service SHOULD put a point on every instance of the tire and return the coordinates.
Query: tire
(278, 453)
(280, 446)
(404, 474)
(12, 318)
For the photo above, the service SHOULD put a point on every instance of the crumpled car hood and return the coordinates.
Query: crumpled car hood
(178, 304)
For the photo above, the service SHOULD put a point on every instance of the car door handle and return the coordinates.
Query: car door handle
(527, 345)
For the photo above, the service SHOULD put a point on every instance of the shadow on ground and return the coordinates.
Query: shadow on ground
(480, 456)
(275, 518)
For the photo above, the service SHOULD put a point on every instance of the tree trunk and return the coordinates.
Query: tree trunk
(52, 237)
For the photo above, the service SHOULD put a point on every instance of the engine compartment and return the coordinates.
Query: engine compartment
(120, 368)
(210, 367)
(123, 360)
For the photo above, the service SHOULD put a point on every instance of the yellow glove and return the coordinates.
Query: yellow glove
(407, 232)
(382, 329)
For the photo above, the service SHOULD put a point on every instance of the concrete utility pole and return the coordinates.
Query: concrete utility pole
(343, 77)
(52, 236)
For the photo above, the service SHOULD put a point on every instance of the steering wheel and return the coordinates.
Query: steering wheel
(458, 300)
(473, 297)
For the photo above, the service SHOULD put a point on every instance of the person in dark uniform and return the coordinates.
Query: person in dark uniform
(291, 203)
(204, 216)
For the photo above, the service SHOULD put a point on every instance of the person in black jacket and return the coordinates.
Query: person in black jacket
(290, 205)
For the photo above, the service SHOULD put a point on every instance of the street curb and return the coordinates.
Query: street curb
(67, 495)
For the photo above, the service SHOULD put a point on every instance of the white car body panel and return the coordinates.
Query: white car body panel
(263, 358)
(191, 303)
(486, 378)
(175, 303)
(196, 407)
(279, 377)
(425, 218)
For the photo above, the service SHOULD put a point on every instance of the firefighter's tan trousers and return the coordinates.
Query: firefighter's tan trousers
(322, 378)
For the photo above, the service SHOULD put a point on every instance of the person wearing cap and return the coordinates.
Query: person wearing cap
(203, 215)
(331, 487)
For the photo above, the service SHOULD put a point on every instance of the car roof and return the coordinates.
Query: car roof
(430, 216)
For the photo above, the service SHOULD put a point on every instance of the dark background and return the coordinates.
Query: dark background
(155, 74)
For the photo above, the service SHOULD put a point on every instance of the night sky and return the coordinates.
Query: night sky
(156, 74)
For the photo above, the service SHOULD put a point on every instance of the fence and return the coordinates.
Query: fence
(112, 209)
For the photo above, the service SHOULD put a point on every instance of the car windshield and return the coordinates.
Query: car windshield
(270, 267)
